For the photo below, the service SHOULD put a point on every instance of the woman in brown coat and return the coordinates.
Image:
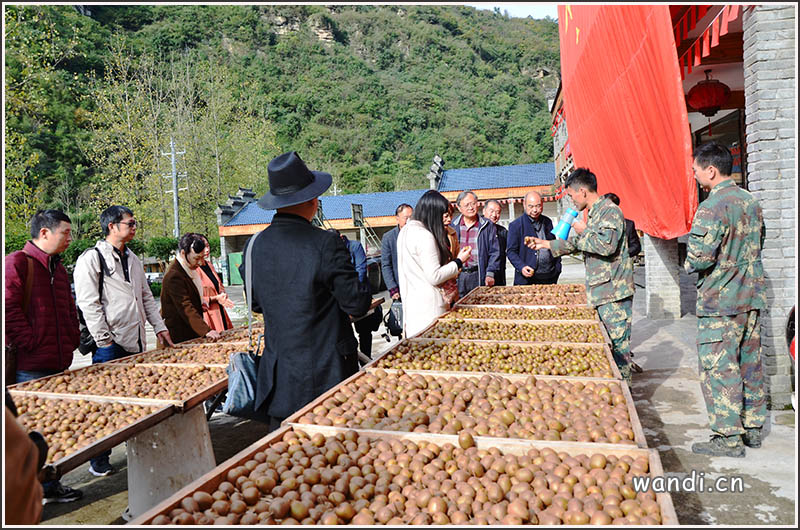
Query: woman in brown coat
(215, 299)
(182, 292)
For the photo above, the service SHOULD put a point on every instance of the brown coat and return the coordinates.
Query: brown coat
(23, 491)
(213, 313)
(181, 306)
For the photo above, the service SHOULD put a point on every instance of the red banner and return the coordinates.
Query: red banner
(626, 111)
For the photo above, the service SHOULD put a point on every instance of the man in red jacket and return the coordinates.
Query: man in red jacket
(46, 334)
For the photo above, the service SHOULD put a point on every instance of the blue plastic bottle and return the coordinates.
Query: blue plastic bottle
(563, 227)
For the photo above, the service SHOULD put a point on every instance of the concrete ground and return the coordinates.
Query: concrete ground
(668, 400)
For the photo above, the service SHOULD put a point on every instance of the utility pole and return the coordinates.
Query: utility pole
(174, 176)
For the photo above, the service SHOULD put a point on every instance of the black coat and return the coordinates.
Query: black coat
(502, 240)
(305, 286)
(634, 245)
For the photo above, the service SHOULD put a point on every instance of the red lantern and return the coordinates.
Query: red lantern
(708, 96)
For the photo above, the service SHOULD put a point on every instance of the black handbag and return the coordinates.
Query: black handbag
(394, 319)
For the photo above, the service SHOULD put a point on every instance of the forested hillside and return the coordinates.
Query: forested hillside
(368, 93)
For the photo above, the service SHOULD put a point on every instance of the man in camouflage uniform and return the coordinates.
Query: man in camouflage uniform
(609, 271)
(724, 248)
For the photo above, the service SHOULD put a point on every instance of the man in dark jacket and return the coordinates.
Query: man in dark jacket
(478, 233)
(46, 334)
(305, 286)
(532, 267)
(389, 251)
(634, 244)
(491, 211)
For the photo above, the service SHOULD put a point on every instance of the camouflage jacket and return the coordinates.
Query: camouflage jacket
(609, 270)
(724, 247)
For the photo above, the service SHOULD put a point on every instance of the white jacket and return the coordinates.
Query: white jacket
(419, 274)
(120, 316)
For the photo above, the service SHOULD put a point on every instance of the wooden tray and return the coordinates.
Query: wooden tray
(211, 480)
(596, 323)
(452, 313)
(73, 460)
(616, 375)
(180, 405)
(638, 433)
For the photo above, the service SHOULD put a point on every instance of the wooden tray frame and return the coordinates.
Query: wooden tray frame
(615, 373)
(213, 478)
(180, 405)
(73, 460)
(638, 433)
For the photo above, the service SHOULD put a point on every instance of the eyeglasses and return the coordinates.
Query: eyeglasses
(131, 224)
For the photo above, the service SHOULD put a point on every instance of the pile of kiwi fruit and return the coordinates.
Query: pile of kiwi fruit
(500, 331)
(69, 425)
(543, 409)
(525, 313)
(483, 298)
(211, 354)
(559, 288)
(536, 359)
(359, 480)
(151, 382)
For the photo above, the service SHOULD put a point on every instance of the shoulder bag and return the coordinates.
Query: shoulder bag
(243, 366)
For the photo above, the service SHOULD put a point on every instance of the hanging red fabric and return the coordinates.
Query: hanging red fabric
(627, 111)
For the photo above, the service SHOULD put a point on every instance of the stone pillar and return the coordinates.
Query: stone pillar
(662, 280)
(769, 53)
(511, 213)
(223, 256)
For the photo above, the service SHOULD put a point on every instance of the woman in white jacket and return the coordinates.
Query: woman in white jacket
(425, 263)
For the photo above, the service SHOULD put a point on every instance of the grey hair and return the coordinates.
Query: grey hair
(463, 195)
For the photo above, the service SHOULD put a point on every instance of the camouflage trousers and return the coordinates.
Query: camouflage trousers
(616, 317)
(731, 376)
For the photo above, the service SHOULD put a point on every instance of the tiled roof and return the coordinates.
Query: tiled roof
(482, 178)
(337, 206)
(384, 203)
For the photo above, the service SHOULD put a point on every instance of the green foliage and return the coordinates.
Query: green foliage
(213, 242)
(155, 288)
(368, 93)
(161, 247)
(15, 242)
(75, 249)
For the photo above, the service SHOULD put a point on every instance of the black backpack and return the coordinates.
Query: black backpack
(87, 344)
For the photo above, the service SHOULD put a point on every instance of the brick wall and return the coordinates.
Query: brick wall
(770, 120)
(662, 280)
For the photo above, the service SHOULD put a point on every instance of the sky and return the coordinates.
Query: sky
(522, 10)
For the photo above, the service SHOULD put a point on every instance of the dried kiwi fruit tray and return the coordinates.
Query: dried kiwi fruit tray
(184, 386)
(540, 359)
(506, 406)
(304, 476)
(79, 428)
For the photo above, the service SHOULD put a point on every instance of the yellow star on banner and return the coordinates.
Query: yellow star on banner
(577, 34)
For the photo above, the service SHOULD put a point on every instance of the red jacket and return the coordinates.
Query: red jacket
(48, 334)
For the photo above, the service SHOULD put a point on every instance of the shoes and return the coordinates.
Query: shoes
(636, 368)
(721, 446)
(752, 437)
(101, 469)
(61, 493)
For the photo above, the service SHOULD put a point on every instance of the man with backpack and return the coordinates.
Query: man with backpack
(112, 292)
(41, 320)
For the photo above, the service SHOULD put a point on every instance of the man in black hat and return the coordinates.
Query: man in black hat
(305, 286)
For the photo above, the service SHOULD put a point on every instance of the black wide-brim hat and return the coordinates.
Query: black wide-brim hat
(291, 182)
